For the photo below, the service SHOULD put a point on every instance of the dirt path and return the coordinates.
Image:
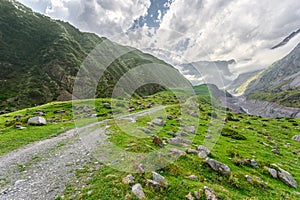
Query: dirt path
(41, 170)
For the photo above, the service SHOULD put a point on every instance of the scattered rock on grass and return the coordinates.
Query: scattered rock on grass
(276, 151)
(296, 138)
(249, 178)
(287, 178)
(159, 178)
(158, 122)
(192, 177)
(192, 151)
(190, 129)
(203, 151)
(218, 166)
(128, 179)
(189, 196)
(39, 121)
(138, 191)
(210, 194)
(197, 195)
(177, 152)
(153, 184)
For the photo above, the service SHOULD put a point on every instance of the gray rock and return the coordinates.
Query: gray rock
(138, 191)
(177, 152)
(203, 151)
(158, 122)
(140, 169)
(210, 194)
(218, 166)
(37, 121)
(146, 130)
(178, 141)
(190, 129)
(249, 178)
(287, 178)
(189, 196)
(159, 178)
(192, 177)
(106, 105)
(276, 151)
(128, 179)
(153, 184)
(296, 138)
(20, 127)
(272, 172)
(253, 163)
(192, 151)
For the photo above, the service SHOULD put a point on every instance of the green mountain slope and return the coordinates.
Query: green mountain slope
(279, 83)
(40, 58)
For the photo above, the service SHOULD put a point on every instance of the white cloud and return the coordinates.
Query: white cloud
(193, 30)
(105, 17)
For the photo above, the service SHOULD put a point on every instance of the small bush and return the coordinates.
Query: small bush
(226, 132)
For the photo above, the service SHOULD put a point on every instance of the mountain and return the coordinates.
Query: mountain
(238, 83)
(40, 58)
(280, 83)
(212, 72)
(287, 39)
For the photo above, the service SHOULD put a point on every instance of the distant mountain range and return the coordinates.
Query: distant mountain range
(211, 72)
(40, 58)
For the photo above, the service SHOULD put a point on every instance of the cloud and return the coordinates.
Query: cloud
(104, 17)
(191, 30)
(222, 30)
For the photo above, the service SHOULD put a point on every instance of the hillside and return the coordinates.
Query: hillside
(238, 83)
(280, 83)
(251, 147)
(40, 58)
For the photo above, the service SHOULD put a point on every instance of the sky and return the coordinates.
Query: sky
(185, 31)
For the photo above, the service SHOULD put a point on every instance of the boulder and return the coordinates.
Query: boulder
(192, 151)
(203, 151)
(296, 138)
(159, 178)
(177, 152)
(158, 122)
(128, 179)
(275, 151)
(272, 172)
(190, 129)
(38, 121)
(249, 178)
(253, 163)
(189, 196)
(210, 194)
(218, 166)
(178, 141)
(287, 178)
(138, 191)
(153, 184)
(192, 177)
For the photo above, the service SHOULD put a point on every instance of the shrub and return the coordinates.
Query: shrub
(226, 132)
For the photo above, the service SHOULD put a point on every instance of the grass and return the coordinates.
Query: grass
(105, 182)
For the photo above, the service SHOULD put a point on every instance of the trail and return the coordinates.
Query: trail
(42, 169)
